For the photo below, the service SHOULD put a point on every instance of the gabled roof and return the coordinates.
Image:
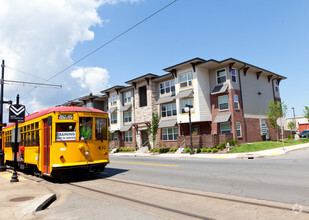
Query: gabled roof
(194, 60)
(146, 76)
(113, 88)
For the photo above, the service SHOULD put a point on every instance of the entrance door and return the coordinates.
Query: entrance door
(47, 140)
(144, 138)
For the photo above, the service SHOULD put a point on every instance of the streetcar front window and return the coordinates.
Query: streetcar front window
(85, 128)
(65, 132)
(100, 129)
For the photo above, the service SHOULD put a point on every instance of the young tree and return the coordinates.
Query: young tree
(292, 125)
(152, 130)
(275, 110)
(306, 112)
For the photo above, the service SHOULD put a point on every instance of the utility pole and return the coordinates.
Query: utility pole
(2, 167)
(294, 118)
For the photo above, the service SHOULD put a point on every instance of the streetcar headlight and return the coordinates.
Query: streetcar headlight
(87, 152)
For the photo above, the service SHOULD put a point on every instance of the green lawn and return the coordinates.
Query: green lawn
(265, 145)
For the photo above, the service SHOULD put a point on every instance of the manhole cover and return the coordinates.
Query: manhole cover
(22, 199)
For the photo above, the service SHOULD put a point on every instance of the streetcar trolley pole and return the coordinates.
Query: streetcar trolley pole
(16, 114)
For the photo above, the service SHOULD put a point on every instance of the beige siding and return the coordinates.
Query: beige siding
(203, 94)
(255, 105)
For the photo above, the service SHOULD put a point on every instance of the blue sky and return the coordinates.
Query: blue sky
(269, 34)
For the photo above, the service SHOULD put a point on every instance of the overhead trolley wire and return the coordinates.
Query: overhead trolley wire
(105, 44)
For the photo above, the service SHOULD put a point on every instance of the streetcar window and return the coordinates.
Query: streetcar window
(85, 128)
(100, 129)
(65, 131)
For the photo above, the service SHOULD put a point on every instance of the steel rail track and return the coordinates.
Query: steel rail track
(143, 203)
(212, 197)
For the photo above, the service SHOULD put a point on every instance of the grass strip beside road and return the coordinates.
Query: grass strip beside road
(266, 145)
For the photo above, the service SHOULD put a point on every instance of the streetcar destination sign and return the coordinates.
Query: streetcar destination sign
(17, 113)
(65, 117)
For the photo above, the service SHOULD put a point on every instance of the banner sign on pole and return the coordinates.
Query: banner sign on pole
(17, 113)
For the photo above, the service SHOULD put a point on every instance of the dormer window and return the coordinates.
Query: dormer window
(167, 87)
(221, 76)
(185, 80)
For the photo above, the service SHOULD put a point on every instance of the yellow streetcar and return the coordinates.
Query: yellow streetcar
(59, 141)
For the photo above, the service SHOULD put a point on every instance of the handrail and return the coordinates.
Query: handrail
(145, 144)
(183, 142)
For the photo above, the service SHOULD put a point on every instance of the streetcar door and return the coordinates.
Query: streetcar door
(47, 141)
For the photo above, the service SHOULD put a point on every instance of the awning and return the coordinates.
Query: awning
(125, 128)
(125, 108)
(222, 117)
(184, 94)
(113, 131)
(220, 89)
(166, 99)
(111, 110)
(167, 123)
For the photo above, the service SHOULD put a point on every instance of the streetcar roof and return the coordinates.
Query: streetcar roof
(58, 109)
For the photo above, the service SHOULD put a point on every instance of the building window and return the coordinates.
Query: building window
(114, 118)
(127, 116)
(167, 87)
(128, 136)
(185, 102)
(185, 79)
(223, 102)
(221, 76)
(112, 100)
(168, 110)
(276, 86)
(225, 128)
(233, 75)
(142, 91)
(236, 103)
(238, 129)
(170, 134)
(127, 97)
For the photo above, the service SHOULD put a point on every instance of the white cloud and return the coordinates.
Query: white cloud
(94, 78)
(39, 36)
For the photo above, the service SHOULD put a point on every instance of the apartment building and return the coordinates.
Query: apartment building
(229, 99)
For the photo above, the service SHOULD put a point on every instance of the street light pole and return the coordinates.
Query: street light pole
(188, 109)
(294, 116)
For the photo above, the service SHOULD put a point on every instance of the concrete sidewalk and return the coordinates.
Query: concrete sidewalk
(21, 199)
(249, 155)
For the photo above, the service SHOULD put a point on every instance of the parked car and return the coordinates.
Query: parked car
(293, 132)
(303, 133)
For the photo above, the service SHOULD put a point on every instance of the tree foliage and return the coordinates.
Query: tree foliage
(152, 130)
(306, 112)
(292, 125)
(275, 110)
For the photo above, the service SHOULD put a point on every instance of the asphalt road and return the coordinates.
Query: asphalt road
(283, 178)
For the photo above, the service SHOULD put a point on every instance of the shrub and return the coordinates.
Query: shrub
(209, 150)
(204, 149)
(187, 150)
(136, 148)
(156, 150)
(176, 149)
(307, 135)
(291, 136)
(198, 150)
(236, 142)
(214, 150)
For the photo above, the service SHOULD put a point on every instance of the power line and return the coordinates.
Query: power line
(105, 44)
(20, 71)
(31, 83)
